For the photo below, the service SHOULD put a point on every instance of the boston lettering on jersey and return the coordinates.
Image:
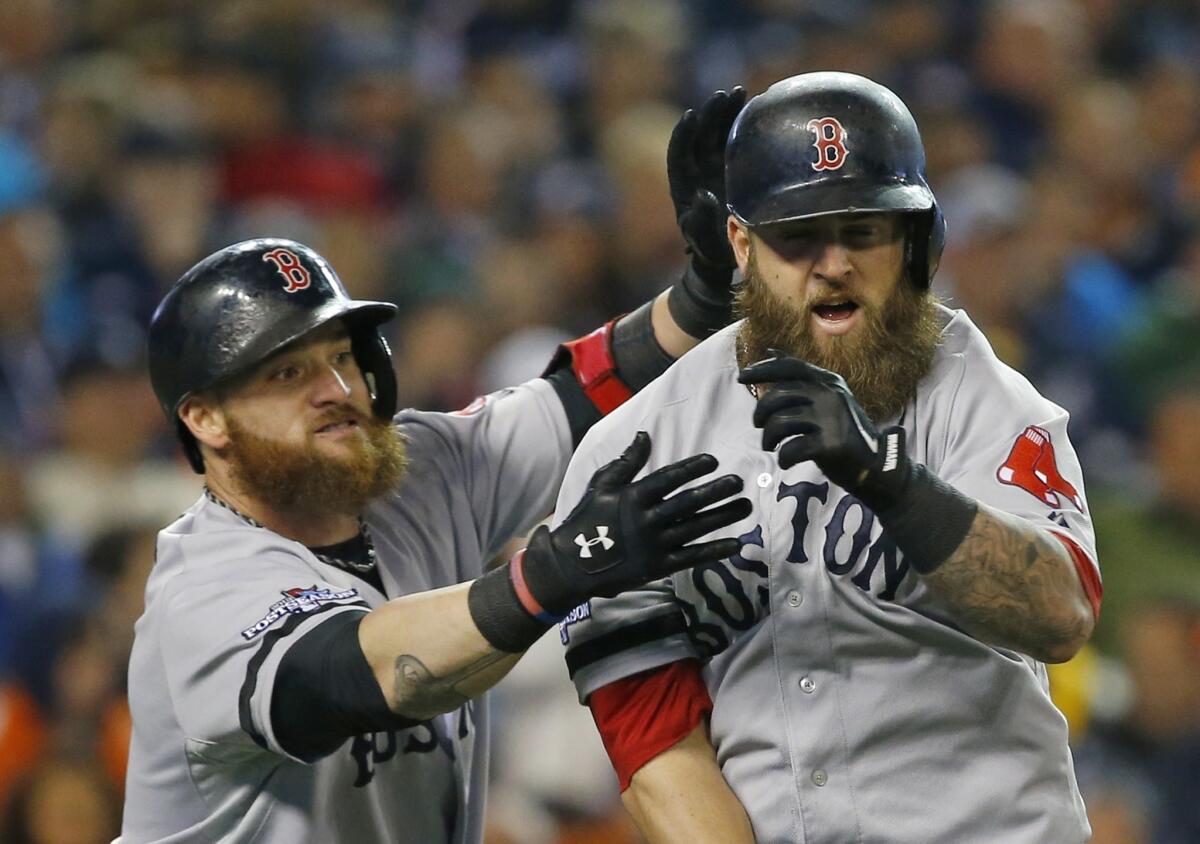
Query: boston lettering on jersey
(373, 749)
(720, 600)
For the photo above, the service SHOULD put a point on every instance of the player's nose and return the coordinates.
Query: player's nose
(832, 261)
(330, 387)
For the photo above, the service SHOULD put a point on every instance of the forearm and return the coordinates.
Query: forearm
(680, 795)
(1012, 584)
(428, 655)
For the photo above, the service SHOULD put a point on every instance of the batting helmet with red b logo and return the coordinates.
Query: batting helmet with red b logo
(833, 143)
(242, 304)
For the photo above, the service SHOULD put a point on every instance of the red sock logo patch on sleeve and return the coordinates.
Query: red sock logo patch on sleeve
(1031, 465)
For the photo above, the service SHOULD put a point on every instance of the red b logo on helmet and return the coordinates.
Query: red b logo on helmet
(289, 266)
(830, 143)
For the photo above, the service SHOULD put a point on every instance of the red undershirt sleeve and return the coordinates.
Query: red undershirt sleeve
(645, 714)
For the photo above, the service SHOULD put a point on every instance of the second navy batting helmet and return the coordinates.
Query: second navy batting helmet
(833, 143)
(244, 303)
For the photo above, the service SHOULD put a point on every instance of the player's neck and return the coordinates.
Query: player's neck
(316, 530)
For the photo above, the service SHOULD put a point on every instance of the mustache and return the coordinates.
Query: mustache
(344, 414)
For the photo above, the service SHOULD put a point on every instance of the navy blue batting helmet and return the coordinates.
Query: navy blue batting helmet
(833, 143)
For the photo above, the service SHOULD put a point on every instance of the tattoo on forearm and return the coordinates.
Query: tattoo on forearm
(421, 694)
(1009, 584)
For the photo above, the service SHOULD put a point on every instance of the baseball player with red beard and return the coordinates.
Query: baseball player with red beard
(319, 627)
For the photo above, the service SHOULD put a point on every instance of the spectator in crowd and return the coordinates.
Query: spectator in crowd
(1138, 774)
(62, 801)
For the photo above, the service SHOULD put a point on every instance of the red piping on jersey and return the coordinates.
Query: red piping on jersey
(1089, 573)
(645, 714)
(593, 364)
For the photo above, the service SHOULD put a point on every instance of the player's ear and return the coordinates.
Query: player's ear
(739, 239)
(206, 420)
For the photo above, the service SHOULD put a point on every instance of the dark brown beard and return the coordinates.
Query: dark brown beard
(882, 360)
(300, 479)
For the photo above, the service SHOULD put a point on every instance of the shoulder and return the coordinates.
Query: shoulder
(966, 372)
(209, 549)
(533, 402)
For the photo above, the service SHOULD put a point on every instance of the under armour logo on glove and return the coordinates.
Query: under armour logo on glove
(585, 544)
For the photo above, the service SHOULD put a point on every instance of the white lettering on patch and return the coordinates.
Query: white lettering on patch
(297, 601)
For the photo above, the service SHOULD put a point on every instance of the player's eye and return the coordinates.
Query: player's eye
(285, 373)
(344, 358)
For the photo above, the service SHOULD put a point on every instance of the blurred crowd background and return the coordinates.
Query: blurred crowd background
(496, 168)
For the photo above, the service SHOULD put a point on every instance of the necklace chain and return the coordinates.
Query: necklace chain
(337, 562)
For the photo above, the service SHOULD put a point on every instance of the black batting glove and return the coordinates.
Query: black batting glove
(624, 533)
(814, 415)
(702, 301)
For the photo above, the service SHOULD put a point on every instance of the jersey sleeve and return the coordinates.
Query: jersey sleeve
(507, 450)
(608, 639)
(1004, 444)
(225, 631)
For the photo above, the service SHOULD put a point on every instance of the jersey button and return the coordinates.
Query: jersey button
(819, 777)
(764, 480)
(807, 685)
(794, 598)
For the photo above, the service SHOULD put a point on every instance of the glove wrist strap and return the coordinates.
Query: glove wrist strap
(929, 520)
(499, 614)
(694, 309)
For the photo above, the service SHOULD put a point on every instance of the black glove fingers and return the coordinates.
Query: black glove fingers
(682, 174)
(777, 369)
(711, 133)
(788, 423)
(691, 501)
(703, 225)
(698, 554)
(800, 449)
(735, 104)
(661, 482)
(782, 397)
(703, 523)
(625, 468)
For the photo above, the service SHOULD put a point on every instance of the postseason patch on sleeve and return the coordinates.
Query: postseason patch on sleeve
(297, 601)
(581, 613)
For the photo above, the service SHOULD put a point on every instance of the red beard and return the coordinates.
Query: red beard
(299, 478)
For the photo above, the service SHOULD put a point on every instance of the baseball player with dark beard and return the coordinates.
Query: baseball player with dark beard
(870, 665)
(319, 626)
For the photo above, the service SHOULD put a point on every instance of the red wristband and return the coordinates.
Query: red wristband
(516, 572)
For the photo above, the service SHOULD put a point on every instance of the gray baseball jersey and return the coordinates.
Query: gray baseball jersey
(226, 600)
(846, 704)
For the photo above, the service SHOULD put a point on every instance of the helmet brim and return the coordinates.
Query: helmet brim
(809, 199)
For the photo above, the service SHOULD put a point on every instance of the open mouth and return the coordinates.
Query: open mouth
(836, 311)
(338, 427)
(836, 316)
